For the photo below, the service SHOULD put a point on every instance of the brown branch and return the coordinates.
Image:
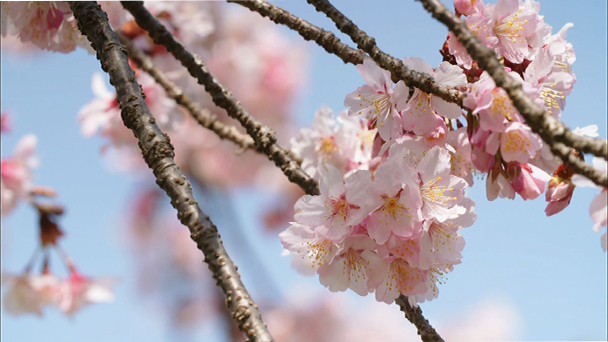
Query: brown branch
(202, 116)
(420, 80)
(325, 39)
(414, 314)
(265, 139)
(158, 154)
(554, 132)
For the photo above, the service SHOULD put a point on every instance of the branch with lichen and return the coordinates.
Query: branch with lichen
(203, 116)
(554, 132)
(158, 153)
(332, 44)
(264, 137)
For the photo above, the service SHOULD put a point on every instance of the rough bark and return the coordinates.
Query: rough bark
(158, 154)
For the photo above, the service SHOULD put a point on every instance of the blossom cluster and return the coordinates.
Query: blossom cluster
(392, 185)
(29, 293)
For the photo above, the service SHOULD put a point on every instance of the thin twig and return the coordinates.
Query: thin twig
(554, 132)
(158, 154)
(203, 116)
(420, 80)
(264, 137)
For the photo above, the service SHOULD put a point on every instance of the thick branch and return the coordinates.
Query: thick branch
(202, 116)
(412, 78)
(265, 139)
(552, 131)
(158, 154)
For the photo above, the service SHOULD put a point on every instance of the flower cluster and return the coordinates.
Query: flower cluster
(392, 186)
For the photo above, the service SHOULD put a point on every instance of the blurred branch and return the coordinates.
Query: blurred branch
(264, 137)
(554, 132)
(332, 44)
(202, 116)
(158, 154)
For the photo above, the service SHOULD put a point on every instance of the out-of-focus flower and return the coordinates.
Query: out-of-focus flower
(48, 25)
(28, 293)
(77, 291)
(5, 125)
(15, 173)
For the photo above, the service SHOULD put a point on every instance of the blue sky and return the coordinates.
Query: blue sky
(552, 270)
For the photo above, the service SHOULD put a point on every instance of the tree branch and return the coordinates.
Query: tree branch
(554, 132)
(325, 39)
(158, 154)
(264, 137)
(414, 314)
(202, 116)
(420, 80)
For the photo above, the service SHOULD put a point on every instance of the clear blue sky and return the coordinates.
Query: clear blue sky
(552, 269)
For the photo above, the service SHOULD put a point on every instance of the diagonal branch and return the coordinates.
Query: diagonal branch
(332, 44)
(554, 132)
(202, 116)
(158, 154)
(422, 81)
(264, 137)
(414, 314)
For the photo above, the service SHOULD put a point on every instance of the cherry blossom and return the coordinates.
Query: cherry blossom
(78, 291)
(422, 110)
(309, 249)
(377, 101)
(354, 267)
(341, 205)
(29, 293)
(16, 174)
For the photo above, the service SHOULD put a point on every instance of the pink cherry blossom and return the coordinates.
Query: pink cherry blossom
(78, 291)
(344, 143)
(468, 7)
(103, 114)
(517, 143)
(397, 200)
(460, 153)
(354, 267)
(559, 194)
(493, 105)
(497, 185)
(48, 25)
(340, 206)
(527, 180)
(552, 86)
(440, 245)
(401, 279)
(378, 101)
(513, 24)
(420, 113)
(29, 293)
(439, 189)
(309, 250)
(16, 174)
